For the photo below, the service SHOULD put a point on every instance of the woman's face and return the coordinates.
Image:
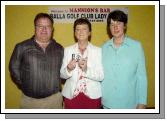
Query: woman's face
(82, 32)
(117, 28)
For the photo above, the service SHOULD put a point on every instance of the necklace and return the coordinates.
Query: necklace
(82, 50)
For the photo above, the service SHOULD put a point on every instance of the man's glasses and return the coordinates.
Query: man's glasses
(44, 27)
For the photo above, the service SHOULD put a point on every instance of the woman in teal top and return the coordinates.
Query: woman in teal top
(125, 82)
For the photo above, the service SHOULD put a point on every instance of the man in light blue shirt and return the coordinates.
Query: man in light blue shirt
(125, 82)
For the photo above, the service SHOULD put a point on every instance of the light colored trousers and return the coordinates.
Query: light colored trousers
(54, 101)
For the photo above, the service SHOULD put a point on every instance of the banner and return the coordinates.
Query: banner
(70, 14)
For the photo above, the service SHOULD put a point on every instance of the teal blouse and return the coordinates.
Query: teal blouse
(125, 80)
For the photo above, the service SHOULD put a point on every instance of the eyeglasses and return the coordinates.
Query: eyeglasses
(44, 27)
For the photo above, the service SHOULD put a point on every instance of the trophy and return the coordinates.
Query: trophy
(77, 57)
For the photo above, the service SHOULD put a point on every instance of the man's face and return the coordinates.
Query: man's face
(43, 30)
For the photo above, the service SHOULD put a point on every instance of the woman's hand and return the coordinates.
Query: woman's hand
(83, 64)
(71, 66)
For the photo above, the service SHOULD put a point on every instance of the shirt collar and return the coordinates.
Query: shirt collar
(125, 41)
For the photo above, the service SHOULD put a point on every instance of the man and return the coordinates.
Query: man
(35, 66)
(125, 82)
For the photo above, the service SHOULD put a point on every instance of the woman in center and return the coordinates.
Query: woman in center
(82, 69)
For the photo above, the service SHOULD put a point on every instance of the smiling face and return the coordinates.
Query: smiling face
(82, 32)
(43, 30)
(117, 28)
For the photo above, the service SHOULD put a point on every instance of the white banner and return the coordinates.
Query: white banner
(70, 14)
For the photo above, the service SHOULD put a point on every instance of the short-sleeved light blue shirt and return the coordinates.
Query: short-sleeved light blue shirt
(125, 81)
